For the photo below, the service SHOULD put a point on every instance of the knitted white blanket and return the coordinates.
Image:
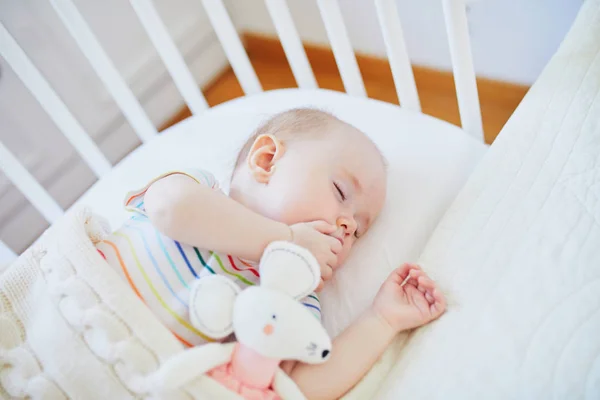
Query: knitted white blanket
(70, 327)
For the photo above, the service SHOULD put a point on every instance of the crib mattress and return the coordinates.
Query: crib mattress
(519, 252)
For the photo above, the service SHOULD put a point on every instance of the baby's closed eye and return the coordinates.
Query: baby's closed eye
(340, 193)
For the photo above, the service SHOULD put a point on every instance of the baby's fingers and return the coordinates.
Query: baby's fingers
(429, 298)
(425, 282)
(323, 227)
(320, 287)
(426, 286)
(413, 278)
(326, 272)
(439, 303)
(402, 271)
(405, 268)
(402, 274)
(335, 245)
(432, 294)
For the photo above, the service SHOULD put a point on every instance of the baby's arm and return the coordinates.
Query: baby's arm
(198, 215)
(354, 352)
(398, 306)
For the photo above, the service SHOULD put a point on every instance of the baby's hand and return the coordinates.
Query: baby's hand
(411, 305)
(314, 236)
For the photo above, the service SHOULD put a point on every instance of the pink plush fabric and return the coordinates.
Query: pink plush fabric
(248, 374)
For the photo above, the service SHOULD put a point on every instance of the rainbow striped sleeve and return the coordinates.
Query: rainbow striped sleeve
(313, 304)
(134, 200)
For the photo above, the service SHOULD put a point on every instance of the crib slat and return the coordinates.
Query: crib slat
(104, 68)
(462, 64)
(342, 49)
(6, 255)
(232, 45)
(51, 103)
(406, 89)
(26, 183)
(183, 78)
(292, 44)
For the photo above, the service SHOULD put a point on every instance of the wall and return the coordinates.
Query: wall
(512, 39)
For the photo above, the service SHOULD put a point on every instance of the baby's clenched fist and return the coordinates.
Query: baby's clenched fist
(314, 236)
(408, 299)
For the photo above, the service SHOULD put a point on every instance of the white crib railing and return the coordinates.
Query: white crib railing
(462, 65)
(104, 68)
(456, 24)
(182, 77)
(52, 104)
(406, 88)
(342, 48)
(6, 255)
(292, 44)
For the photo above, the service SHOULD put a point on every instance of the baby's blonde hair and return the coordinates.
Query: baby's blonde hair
(290, 125)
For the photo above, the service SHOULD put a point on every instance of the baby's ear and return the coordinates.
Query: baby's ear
(289, 268)
(263, 155)
(211, 305)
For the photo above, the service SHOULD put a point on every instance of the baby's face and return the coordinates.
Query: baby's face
(338, 177)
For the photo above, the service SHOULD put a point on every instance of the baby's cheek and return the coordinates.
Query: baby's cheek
(306, 209)
(303, 202)
(284, 206)
(307, 213)
(292, 212)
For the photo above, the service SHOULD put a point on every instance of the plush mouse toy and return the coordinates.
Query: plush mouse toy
(269, 323)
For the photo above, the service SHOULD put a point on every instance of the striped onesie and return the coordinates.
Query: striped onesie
(160, 270)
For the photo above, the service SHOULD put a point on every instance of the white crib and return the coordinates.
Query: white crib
(456, 24)
(517, 249)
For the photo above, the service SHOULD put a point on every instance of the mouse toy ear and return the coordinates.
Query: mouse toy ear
(211, 305)
(289, 268)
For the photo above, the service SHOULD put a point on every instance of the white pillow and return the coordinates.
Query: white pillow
(429, 160)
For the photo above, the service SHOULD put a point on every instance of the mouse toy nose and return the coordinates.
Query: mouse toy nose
(325, 353)
(268, 329)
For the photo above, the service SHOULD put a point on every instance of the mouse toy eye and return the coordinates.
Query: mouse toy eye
(274, 317)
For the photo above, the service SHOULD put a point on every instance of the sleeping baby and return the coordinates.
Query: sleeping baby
(305, 177)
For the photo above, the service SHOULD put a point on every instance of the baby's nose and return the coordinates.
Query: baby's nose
(348, 225)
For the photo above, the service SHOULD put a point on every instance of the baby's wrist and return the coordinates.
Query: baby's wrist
(381, 322)
(284, 233)
(272, 231)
